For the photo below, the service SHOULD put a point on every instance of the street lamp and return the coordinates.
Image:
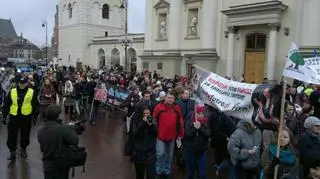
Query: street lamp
(125, 42)
(45, 24)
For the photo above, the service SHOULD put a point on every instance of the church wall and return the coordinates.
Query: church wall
(289, 20)
(71, 43)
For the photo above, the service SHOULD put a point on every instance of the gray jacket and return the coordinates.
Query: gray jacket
(241, 141)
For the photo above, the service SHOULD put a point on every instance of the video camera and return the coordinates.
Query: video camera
(77, 126)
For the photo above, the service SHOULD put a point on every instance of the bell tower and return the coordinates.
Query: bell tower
(82, 20)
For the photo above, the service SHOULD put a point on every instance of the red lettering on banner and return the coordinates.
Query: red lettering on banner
(245, 90)
(218, 83)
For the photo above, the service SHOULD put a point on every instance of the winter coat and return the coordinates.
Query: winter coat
(170, 121)
(47, 90)
(132, 98)
(187, 107)
(69, 98)
(241, 141)
(196, 140)
(308, 147)
(288, 160)
(144, 142)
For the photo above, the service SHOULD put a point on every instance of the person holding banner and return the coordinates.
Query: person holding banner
(287, 160)
(244, 147)
(130, 103)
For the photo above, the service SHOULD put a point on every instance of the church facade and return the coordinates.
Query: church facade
(248, 38)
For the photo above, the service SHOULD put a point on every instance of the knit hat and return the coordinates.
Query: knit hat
(311, 121)
(200, 109)
(162, 94)
(52, 112)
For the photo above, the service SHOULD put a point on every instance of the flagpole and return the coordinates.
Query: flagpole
(283, 99)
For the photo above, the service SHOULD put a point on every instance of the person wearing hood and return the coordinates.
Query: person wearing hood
(21, 105)
(309, 143)
(196, 142)
(244, 148)
(161, 98)
(69, 98)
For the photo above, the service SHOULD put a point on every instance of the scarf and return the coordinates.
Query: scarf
(287, 156)
(202, 120)
(68, 89)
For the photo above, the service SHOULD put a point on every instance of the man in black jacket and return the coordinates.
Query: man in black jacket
(21, 105)
(52, 136)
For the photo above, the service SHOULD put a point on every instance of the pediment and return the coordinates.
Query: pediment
(162, 4)
(191, 1)
(255, 13)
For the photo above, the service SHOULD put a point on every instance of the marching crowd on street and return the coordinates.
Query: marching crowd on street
(164, 125)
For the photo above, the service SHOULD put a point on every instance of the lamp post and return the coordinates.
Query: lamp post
(45, 24)
(126, 41)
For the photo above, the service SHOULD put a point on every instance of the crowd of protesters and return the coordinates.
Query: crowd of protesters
(162, 119)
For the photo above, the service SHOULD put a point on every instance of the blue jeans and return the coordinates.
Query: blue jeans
(196, 160)
(164, 157)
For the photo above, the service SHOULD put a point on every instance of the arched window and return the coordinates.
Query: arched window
(105, 11)
(70, 11)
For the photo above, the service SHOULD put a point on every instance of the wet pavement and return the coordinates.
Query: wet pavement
(104, 143)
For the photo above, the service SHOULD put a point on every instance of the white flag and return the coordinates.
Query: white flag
(303, 69)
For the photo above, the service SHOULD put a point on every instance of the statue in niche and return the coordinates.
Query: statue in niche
(193, 29)
(163, 29)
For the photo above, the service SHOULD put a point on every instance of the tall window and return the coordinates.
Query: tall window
(105, 11)
(70, 11)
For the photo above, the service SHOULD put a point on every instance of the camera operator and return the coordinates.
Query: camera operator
(51, 137)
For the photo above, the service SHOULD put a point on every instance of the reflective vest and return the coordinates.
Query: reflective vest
(26, 108)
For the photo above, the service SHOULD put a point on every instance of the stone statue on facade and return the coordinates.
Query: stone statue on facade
(163, 29)
(193, 29)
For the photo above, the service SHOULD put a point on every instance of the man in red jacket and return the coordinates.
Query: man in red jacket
(170, 129)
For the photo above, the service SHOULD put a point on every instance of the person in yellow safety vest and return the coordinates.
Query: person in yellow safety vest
(21, 105)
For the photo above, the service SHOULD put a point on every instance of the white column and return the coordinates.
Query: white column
(184, 66)
(139, 64)
(310, 26)
(175, 20)
(208, 21)
(148, 25)
(272, 50)
(230, 55)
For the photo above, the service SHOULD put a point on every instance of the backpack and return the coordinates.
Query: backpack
(70, 157)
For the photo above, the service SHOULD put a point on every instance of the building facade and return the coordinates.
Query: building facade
(55, 36)
(7, 36)
(247, 38)
(82, 20)
(23, 49)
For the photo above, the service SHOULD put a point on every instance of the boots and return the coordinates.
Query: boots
(24, 153)
(12, 156)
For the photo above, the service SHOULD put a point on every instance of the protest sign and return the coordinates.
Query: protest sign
(240, 100)
(112, 95)
(101, 94)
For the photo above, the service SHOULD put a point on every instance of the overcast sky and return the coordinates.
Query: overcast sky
(27, 17)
